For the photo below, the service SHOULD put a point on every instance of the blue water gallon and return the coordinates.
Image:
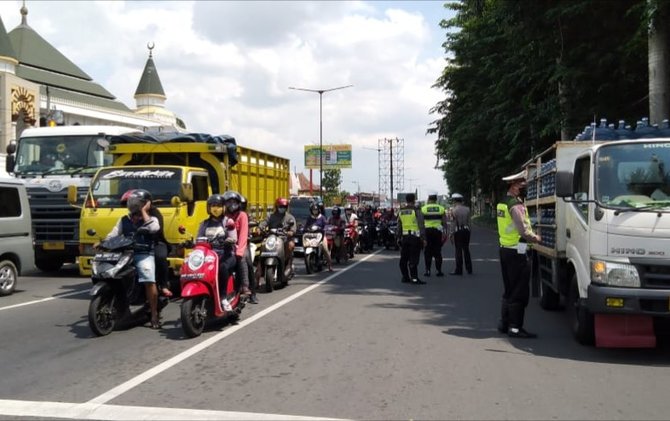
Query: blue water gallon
(644, 130)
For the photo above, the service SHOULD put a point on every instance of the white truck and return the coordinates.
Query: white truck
(49, 160)
(602, 209)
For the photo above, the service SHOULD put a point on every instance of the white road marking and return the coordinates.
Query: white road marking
(142, 377)
(87, 411)
(42, 300)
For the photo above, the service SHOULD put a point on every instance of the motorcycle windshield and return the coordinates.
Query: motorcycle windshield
(117, 243)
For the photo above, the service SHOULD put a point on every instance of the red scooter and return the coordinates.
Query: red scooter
(202, 300)
(335, 239)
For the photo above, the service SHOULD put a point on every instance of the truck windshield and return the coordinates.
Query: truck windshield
(59, 155)
(110, 184)
(634, 175)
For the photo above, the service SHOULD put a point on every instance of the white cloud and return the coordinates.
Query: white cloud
(226, 68)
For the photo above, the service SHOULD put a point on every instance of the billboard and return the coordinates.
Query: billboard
(334, 157)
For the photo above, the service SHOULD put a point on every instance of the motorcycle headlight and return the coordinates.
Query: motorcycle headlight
(271, 243)
(118, 266)
(614, 274)
(195, 259)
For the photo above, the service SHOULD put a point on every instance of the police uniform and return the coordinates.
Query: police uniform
(412, 231)
(514, 260)
(435, 221)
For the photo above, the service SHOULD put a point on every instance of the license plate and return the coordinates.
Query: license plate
(268, 253)
(56, 245)
(299, 249)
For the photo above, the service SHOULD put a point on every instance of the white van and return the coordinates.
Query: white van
(16, 239)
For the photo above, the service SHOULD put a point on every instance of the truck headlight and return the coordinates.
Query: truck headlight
(614, 274)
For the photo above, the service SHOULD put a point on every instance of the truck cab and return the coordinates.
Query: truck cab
(49, 160)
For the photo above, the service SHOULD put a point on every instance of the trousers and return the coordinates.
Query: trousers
(462, 250)
(516, 287)
(433, 249)
(410, 254)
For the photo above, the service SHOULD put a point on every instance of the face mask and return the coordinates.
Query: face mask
(523, 191)
(281, 210)
(216, 211)
(232, 207)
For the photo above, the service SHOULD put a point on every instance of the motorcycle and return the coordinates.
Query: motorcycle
(273, 259)
(117, 296)
(335, 238)
(202, 299)
(350, 240)
(365, 238)
(390, 235)
(312, 238)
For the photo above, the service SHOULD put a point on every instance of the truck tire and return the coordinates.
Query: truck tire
(550, 300)
(48, 265)
(581, 319)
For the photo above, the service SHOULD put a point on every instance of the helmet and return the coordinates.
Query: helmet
(281, 202)
(322, 207)
(232, 200)
(336, 211)
(215, 205)
(314, 209)
(243, 203)
(137, 199)
(349, 208)
(126, 195)
(457, 197)
(432, 197)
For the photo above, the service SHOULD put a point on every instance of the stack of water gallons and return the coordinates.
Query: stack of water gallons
(548, 217)
(532, 183)
(643, 130)
(548, 178)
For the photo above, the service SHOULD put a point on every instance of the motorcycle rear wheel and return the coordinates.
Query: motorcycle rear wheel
(102, 314)
(270, 278)
(193, 316)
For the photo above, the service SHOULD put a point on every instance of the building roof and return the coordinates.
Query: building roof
(86, 99)
(150, 83)
(6, 49)
(43, 64)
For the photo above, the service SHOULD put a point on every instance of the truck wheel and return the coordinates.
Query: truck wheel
(549, 299)
(48, 265)
(8, 276)
(581, 319)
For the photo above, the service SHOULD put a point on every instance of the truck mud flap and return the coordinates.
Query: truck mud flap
(624, 331)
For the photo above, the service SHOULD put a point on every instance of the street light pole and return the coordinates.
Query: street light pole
(359, 192)
(320, 92)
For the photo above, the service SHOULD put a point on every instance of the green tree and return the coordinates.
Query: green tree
(331, 185)
(520, 75)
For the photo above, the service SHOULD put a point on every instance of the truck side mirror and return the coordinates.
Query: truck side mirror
(9, 163)
(186, 192)
(72, 195)
(564, 184)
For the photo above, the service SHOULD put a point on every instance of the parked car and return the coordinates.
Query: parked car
(16, 247)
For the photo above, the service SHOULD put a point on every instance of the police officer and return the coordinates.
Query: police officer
(514, 231)
(435, 218)
(413, 233)
(460, 234)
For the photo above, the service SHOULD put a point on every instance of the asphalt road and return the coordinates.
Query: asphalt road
(354, 344)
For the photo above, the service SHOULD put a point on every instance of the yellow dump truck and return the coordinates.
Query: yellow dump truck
(180, 171)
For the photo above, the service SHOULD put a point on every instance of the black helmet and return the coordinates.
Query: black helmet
(336, 211)
(243, 203)
(137, 199)
(232, 200)
(322, 207)
(216, 201)
(314, 207)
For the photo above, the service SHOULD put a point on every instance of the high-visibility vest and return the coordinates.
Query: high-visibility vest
(507, 232)
(432, 215)
(408, 220)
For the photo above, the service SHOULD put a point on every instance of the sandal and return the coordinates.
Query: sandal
(155, 324)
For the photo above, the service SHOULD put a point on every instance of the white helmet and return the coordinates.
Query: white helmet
(456, 196)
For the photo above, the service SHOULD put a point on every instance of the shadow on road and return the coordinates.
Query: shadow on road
(468, 306)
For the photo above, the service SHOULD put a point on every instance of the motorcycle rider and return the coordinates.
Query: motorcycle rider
(218, 225)
(281, 218)
(316, 218)
(232, 201)
(251, 273)
(139, 203)
(340, 224)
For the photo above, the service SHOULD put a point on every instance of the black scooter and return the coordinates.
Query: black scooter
(117, 296)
